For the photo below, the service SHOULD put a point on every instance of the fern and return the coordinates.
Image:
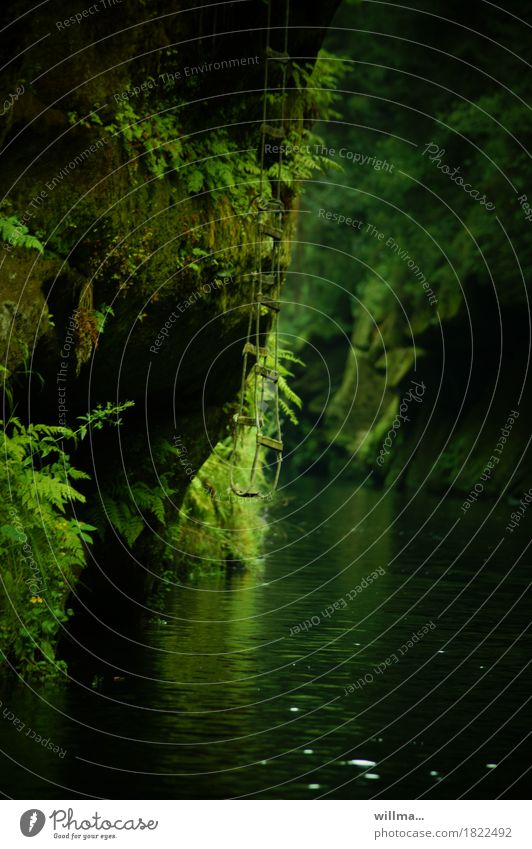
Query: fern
(124, 505)
(101, 315)
(123, 519)
(51, 488)
(149, 499)
(291, 398)
(288, 399)
(42, 545)
(18, 235)
(289, 356)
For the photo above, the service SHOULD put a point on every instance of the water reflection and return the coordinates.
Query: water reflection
(320, 675)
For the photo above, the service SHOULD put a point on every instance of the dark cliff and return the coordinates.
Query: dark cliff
(129, 164)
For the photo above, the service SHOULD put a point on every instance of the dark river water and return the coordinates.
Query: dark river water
(221, 694)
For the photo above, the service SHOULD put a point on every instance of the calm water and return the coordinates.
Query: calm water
(220, 699)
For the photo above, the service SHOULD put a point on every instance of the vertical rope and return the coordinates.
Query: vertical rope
(265, 96)
(284, 66)
(278, 269)
(263, 209)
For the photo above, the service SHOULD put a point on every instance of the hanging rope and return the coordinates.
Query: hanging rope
(265, 292)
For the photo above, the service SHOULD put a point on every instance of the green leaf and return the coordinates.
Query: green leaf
(195, 182)
(47, 650)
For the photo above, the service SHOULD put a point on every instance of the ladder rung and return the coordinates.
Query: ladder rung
(271, 205)
(273, 132)
(245, 421)
(274, 232)
(267, 281)
(249, 348)
(275, 306)
(268, 442)
(268, 373)
(276, 55)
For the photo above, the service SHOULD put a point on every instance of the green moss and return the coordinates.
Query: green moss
(216, 528)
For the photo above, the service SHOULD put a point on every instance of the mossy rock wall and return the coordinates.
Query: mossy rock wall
(128, 182)
(453, 432)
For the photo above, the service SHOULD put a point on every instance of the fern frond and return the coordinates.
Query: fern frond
(289, 393)
(288, 411)
(128, 524)
(149, 499)
(287, 354)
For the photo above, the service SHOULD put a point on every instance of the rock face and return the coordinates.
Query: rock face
(444, 435)
(470, 352)
(129, 168)
(425, 238)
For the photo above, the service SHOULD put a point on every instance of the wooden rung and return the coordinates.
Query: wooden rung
(245, 421)
(249, 348)
(271, 205)
(268, 442)
(267, 281)
(268, 373)
(274, 232)
(276, 55)
(275, 306)
(273, 132)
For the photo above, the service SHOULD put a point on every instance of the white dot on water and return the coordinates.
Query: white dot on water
(314, 786)
(371, 776)
(362, 763)
(440, 651)
(294, 710)
(308, 751)
(491, 766)
(434, 773)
